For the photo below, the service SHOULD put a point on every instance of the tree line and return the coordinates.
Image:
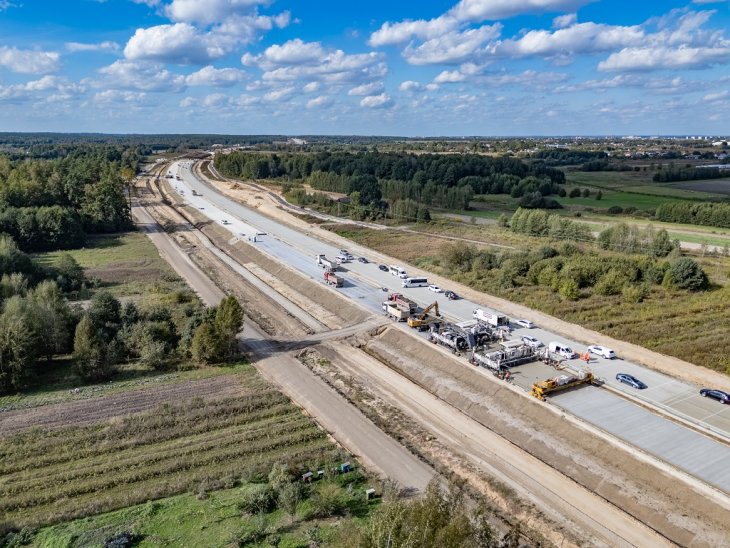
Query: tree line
(447, 181)
(674, 173)
(567, 157)
(54, 204)
(704, 213)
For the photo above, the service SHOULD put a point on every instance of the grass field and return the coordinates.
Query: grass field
(214, 521)
(54, 476)
(690, 326)
(125, 264)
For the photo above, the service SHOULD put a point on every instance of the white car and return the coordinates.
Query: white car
(525, 323)
(532, 342)
(435, 288)
(403, 275)
(602, 351)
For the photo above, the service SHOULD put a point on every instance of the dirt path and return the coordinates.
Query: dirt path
(84, 412)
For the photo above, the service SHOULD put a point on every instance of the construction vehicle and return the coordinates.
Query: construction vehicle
(333, 279)
(423, 320)
(394, 312)
(449, 338)
(325, 263)
(511, 354)
(495, 320)
(404, 303)
(541, 389)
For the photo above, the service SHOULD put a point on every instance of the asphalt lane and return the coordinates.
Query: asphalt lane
(365, 282)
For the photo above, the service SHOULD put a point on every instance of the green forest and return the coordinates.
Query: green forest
(381, 180)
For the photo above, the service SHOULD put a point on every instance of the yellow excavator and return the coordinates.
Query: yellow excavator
(423, 319)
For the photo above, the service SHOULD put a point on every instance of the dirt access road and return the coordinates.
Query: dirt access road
(375, 449)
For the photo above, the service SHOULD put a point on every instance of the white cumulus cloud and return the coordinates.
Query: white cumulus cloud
(376, 101)
(211, 76)
(321, 101)
(659, 58)
(27, 61)
(140, 75)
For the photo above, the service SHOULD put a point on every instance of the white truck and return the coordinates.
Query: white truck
(325, 263)
(495, 320)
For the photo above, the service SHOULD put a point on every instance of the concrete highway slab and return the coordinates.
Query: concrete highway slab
(686, 449)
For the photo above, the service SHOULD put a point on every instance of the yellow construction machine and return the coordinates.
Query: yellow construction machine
(423, 319)
(540, 389)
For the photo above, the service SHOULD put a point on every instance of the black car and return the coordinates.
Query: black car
(451, 295)
(630, 380)
(362, 260)
(383, 268)
(719, 395)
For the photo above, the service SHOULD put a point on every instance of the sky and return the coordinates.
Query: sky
(376, 67)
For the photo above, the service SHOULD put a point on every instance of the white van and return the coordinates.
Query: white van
(562, 349)
(398, 271)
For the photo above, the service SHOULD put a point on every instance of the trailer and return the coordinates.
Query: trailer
(541, 389)
(402, 302)
(450, 339)
(489, 318)
(394, 312)
(324, 262)
(333, 279)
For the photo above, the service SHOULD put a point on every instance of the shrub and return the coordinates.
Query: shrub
(258, 499)
(569, 289)
(575, 193)
(686, 273)
(635, 293)
(328, 501)
(611, 283)
(615, 210)
(599, 195)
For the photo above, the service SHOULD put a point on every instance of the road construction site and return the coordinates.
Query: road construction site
(590, 454)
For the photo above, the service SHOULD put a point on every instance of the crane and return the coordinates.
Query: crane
(423, 319)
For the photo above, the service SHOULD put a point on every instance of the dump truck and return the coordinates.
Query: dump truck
(404, 303)
(333, 279)
(394, 312)
(489, 318)
(325, 263)
(541, 389)
(423, 320)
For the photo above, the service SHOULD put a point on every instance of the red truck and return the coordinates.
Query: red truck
(333, 279)
(403, 303)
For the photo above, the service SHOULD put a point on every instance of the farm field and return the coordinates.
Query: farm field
(690, 326)
(50, 476)
(716, 186)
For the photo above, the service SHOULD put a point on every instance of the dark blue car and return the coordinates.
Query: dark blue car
(630, 380)
(719, 395)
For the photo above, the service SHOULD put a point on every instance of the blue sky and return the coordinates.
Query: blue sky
(401, 67)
